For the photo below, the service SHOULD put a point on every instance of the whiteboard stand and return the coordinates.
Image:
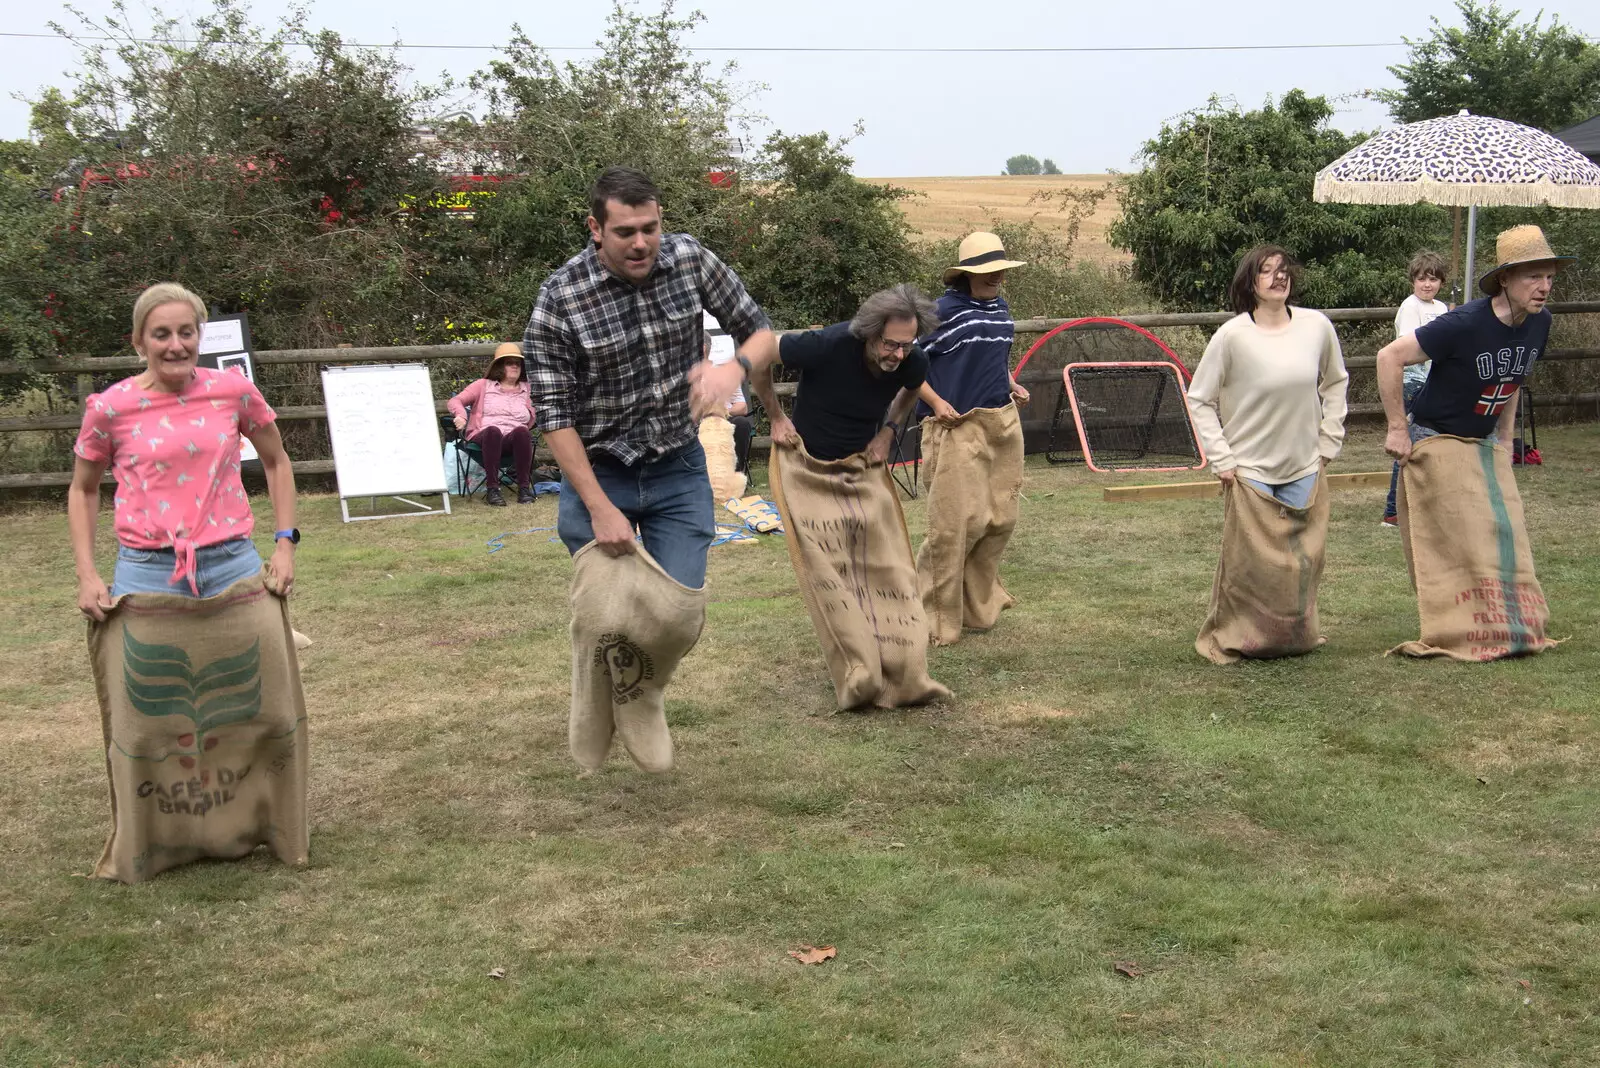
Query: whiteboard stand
(372, 502)
(385, 435)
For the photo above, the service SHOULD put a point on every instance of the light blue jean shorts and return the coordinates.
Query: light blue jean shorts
(216, 567)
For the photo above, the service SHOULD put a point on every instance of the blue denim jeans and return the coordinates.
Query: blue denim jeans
(668, 499)
(216, 567)
(1423, 433)
(1296, 494)
(1411, 390)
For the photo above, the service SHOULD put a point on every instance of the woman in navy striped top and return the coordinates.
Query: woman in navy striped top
(969, 352)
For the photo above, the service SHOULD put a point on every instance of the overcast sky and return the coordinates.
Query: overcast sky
(924, 113)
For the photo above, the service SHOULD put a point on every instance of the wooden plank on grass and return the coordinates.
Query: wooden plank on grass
(1174, 491)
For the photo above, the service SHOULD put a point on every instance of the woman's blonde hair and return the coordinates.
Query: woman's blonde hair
(164, 293)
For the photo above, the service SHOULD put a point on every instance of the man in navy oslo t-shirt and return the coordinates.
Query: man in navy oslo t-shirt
(1478, 363)
(1481, 352)
(1482, 601)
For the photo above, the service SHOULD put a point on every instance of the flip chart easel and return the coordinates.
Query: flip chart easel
(225, 346)
(385, 436)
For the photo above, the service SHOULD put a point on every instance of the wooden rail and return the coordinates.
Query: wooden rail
(79, 365)
(392, 353)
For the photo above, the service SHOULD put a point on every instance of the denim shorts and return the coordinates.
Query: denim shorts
(216, 567)
(1296, 494)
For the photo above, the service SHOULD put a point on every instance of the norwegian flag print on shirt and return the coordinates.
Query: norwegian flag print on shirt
(1491, 400)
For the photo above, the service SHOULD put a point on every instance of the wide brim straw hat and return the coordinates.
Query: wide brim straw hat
(1520, 244)
(980, 253)
(508, 350)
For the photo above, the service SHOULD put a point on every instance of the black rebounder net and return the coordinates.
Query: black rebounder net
(1047, 423)
(1132, 417)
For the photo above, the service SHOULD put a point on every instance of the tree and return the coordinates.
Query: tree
(1050, 166)
(815, 241)
(1221, 181)
(1022, 165)
(269, 182)
(643, 102)
(311, 189)
(1543, 76)
(1546, 76)
(25, 221)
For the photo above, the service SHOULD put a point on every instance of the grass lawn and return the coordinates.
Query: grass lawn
(1337, 860)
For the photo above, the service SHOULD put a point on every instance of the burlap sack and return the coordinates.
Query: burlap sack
(1467, 551)
(1264, 597)
(631, 625)
(973, 472)
(852, 558)
(205, 729)
(716, 437)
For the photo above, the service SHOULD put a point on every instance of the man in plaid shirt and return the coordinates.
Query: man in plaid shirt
(619, 382)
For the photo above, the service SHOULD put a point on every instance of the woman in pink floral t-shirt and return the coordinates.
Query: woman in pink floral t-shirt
(171, 438)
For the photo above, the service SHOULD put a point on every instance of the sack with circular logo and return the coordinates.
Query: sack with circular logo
(631, 625)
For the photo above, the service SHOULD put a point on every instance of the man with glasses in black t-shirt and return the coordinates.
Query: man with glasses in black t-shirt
(858, 379)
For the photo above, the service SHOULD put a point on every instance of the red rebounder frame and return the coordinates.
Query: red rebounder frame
(1107, 321)
(1136, 369)
(1094, 339)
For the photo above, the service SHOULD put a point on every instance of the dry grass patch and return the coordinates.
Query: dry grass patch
(1022, 712)
(954, 207)
(1535, 742)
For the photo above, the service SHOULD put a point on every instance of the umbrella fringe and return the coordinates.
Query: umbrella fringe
(1453, 194)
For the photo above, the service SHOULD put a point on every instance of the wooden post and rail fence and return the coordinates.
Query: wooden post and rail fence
(83, 365)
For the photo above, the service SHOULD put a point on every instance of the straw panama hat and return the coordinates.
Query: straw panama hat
(980, 253)
(506, 350)
(1520, 244)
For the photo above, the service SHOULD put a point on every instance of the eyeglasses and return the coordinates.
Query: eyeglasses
(895, 346)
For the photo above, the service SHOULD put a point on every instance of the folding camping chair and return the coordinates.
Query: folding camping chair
(469, 452)
(1525, 442)
(905, 458)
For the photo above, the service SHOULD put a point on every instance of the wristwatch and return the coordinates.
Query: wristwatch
(293, 534)
(892, 425)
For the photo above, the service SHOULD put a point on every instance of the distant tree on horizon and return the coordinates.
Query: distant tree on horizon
(1022, 165)
(1050, 166)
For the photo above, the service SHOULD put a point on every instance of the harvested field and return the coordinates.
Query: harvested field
(951, 207)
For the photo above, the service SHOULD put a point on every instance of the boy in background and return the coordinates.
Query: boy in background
(1428, 273)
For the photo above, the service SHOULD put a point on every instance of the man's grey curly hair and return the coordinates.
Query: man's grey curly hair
(904, 301)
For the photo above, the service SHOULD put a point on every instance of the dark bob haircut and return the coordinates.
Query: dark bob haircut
(624, 185)
(1242, 290)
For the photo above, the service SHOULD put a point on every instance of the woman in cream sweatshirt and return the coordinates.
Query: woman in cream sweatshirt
(1268, 399)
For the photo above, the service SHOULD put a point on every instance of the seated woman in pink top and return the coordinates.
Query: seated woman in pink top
(502, 415)
(170, 435)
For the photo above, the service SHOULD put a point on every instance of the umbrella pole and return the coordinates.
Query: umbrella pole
(1472, 242)
(1455, 245)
